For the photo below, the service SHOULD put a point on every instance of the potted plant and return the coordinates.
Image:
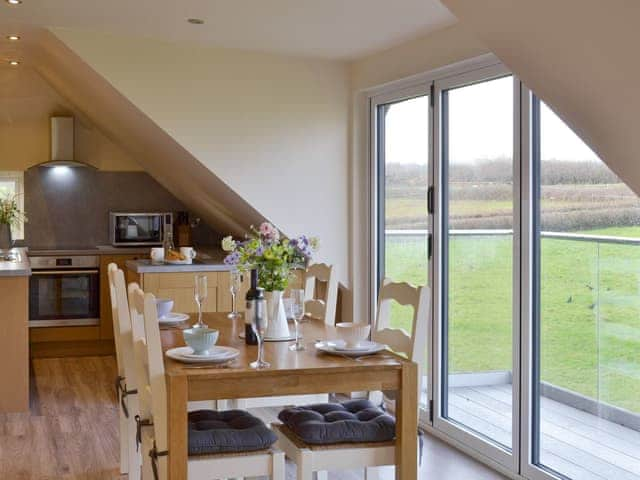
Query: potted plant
(10, 216)
(274, 257)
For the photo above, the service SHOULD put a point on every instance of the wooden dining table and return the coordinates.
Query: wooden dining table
(291, 373)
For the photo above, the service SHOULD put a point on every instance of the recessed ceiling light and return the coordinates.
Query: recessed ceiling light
(195, 21)
(13, 38)
(14, 2)
(14, 63)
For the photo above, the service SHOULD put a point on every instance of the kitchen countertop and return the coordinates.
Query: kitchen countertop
(210, 259)
(204, 263)
(19, 268)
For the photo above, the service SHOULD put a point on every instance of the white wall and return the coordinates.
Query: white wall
(273, 128)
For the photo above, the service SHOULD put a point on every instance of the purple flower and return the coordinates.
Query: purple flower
(232, 259)
(259, 251)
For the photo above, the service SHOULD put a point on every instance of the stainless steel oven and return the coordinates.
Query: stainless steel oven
(134, 229)
(64, 291)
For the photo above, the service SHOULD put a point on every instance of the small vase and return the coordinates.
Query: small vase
(278, 326)
(6, 242)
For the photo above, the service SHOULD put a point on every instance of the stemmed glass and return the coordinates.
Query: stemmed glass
(297, 309)
(234, 288)
(259, 324)
(200, 291)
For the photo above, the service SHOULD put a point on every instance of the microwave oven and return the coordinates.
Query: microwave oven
(135, 229)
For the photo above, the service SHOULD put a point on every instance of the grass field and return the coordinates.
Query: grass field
(590, 309)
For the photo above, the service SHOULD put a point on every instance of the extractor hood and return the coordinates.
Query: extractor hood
(63, 144)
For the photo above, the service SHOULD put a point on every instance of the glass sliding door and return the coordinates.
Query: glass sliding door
(477, 214)
(403, 146)
(586, 324)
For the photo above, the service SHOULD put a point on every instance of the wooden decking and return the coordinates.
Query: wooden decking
(577, 444)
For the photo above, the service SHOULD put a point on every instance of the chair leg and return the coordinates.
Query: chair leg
(147, 470)
(278, 466)
(322, 475)
(304, 466)
(134, 453)
(372, 473)
(124, 442)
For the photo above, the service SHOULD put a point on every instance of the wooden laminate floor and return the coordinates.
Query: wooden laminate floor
(71, 431)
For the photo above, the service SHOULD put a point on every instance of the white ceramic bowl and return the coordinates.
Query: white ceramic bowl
(164, 306)
(200, 339)
(353, 333)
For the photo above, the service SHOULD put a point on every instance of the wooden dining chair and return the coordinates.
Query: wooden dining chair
(153, 413)
(367, 454)
(125, 382)
(321, 292)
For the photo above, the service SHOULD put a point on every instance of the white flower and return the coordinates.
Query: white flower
(228, 244)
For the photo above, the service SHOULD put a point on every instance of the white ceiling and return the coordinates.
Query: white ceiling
(333, 29)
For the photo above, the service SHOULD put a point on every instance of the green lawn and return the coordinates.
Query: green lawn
(590, 309)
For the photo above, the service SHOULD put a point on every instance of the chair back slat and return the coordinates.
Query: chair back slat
(122, 331)
(321, 305)
(412, 344)
(112, 268)
(150, 365)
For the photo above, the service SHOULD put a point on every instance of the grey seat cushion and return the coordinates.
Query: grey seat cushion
(226, 432)
(354, 421)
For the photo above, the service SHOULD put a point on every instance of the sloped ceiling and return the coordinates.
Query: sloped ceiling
(580, 57)
(331, 29)
(164, 159)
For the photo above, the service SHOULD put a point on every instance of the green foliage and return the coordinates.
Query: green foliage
(10, 213)
(273, 256)
(590, 309)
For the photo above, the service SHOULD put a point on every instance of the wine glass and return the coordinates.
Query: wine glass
(234, 288)
(297, 309)
(200, 291)
(259, 324)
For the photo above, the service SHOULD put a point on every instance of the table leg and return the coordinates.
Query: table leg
(407, 424)
(177, 398)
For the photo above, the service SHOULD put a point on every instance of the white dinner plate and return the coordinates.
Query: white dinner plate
(341, 346)
(329, 347)
(217, 354)
(172, 318)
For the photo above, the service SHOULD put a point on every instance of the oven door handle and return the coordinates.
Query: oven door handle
(63, 272)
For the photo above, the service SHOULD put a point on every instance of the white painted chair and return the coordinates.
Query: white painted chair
(130, 460)
(153, 407)
(322, 307)
(311, 458)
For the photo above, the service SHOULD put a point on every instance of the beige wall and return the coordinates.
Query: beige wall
(26, 103)
(431, 52)
(273, 128)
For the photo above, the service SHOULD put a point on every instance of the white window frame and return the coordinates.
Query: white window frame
(517, 464)
(17, 178)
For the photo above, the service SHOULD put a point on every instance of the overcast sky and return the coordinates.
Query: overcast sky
(480, 127)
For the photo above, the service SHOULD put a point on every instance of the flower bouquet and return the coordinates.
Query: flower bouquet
(10, 216)
(274, 257)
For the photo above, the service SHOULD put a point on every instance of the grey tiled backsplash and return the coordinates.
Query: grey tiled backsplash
(70, 208)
